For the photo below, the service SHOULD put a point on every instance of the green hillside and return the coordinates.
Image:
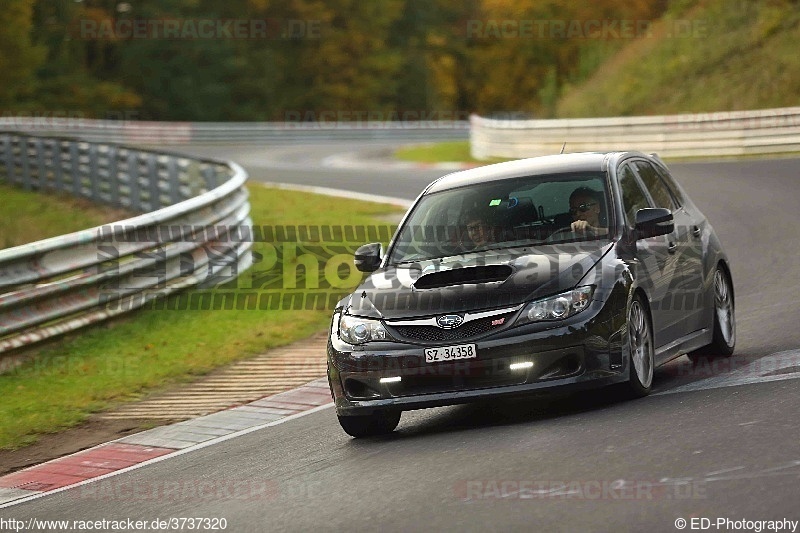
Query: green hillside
(703, 55)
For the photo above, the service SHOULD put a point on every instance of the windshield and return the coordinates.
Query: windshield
(507, 213)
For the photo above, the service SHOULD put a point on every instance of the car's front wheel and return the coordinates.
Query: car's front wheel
(724, 340)
(377, 423)
(642, 352)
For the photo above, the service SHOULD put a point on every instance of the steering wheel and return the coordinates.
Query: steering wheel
(561, 234)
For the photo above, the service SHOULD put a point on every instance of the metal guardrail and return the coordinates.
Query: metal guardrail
(194, 232)
(143, 132)
(735, 133)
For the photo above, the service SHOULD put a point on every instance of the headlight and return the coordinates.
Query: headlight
(355, 330)
(557, 307)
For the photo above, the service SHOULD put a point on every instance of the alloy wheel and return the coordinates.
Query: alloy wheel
(641, 344)
(723, 304)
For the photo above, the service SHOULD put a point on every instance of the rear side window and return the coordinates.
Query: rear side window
(633, 198)
(658, 190)
(671, 185)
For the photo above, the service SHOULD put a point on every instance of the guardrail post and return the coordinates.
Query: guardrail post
(210, 176)
(155, 190)
(24, 161)
(42, 183)
(58, 165)
(94, 186)
(5, 152)
(133, 181)
(113, 175)
(75, 162)
(174, 182)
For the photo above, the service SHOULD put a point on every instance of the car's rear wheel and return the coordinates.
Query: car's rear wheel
(642, 352)
(377, 423)
(724, 340)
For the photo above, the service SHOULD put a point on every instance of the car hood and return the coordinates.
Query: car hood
(485, 280)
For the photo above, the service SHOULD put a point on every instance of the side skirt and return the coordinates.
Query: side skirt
(685, 344)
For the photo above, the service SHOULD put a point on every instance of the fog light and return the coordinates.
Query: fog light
(520, 366)
(394, 379)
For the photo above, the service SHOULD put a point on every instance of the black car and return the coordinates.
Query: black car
(573, 270)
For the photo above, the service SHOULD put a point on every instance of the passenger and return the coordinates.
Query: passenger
(480, 230)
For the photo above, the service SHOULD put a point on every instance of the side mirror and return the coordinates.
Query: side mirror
(653, 221)
(368, 257)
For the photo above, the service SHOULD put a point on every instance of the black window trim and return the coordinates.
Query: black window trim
(665, 183)
(638, 181)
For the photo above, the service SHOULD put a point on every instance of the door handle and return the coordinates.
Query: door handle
(672, 247)
(696, 231)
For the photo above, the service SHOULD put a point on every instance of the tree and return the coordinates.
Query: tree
(19, 57)
(74, 74)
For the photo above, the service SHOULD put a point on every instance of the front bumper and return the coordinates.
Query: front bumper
(583, 351)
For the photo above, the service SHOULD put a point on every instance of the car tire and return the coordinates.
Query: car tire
(641, 365)
(724, 339)
(377, 423)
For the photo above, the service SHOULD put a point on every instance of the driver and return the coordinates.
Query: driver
(584, 206)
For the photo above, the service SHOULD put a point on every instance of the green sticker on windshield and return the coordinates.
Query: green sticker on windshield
(495, 202)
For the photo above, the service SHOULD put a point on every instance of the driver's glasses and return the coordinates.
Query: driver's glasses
(582, 208)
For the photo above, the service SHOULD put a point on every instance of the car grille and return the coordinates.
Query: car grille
(464, 331)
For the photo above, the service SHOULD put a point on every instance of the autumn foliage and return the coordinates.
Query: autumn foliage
(276, 59)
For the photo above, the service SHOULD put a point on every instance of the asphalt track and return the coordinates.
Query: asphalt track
(583, 462)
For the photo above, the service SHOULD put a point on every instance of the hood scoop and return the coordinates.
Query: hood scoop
(463, 276)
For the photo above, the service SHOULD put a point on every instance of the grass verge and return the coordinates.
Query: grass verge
(29, 216)
(443, 152)
(436, 153)
(59, 385)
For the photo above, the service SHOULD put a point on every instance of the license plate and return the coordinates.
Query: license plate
(450, 353)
